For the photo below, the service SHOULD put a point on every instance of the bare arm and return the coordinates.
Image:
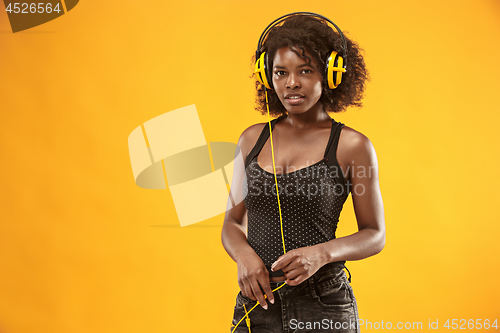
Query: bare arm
(369, 240)
(252, 273)
(233, 236)
(368, 207)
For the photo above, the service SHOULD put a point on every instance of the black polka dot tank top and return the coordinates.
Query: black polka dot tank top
(311, 200)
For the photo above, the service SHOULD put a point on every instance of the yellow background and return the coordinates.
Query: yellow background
(83, 249)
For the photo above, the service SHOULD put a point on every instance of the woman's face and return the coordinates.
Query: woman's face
(297, 84)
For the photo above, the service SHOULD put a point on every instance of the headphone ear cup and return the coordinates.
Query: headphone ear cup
(334, 69)
(261, 71)
(269, 74)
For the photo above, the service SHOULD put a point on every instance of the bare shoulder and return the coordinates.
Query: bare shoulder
(249, 137)
(352, 139)
(354, 145)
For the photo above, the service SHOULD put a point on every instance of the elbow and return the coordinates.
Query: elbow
(374, 241)
(223, 234)
(379, 242)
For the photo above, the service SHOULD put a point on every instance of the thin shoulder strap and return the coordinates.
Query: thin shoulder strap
(261, 141)
(331, 156)
(333, 141)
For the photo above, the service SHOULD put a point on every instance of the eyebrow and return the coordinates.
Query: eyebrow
(299, 66)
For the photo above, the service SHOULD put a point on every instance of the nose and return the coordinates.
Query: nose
(293, 81)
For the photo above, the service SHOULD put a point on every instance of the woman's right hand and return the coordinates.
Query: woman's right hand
(252, 275)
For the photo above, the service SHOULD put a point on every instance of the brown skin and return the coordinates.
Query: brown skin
(295, 141)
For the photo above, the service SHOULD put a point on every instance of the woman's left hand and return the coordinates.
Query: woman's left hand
(300, 264)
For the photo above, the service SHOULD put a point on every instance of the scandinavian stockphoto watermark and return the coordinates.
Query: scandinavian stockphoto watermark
(307, 182)
(432, 324)
(323, 324)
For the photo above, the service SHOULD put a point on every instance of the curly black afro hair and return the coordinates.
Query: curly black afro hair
(314, 35)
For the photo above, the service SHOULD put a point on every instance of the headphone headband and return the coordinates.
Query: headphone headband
(284, 17)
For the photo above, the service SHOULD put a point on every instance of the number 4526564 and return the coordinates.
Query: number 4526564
(32, 8)
(463, 324)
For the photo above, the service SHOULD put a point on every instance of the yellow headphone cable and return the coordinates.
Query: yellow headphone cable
(281, 219)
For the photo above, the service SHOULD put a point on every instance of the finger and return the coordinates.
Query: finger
(247, 291)
(297, 277)
(266, 286)
(242, 287)
(297, 280)
(279, 259)
(282, 261)
(291, 266)
(258, 295)
(290, 275)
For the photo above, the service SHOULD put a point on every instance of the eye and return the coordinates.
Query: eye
(307, 71)
(280, 73)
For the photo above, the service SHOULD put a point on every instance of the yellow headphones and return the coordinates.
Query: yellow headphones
(335, 63)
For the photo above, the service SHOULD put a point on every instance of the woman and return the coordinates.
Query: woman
(290, 245)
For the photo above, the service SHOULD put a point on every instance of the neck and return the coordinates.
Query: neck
(307, 119)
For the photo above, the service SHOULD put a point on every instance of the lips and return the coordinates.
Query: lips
(294, 98)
